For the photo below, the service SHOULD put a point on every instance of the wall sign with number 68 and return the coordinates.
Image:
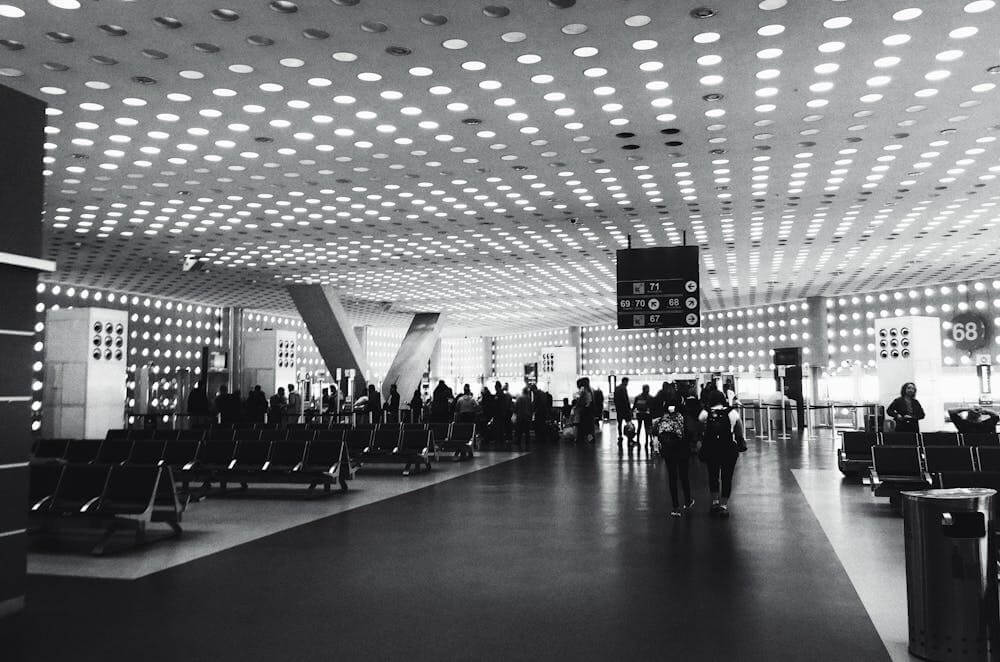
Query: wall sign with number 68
(969, 332)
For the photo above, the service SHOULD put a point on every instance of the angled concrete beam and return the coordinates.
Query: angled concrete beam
(410, 364)
(331, 328)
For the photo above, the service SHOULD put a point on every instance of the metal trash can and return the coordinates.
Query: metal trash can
(951, 598)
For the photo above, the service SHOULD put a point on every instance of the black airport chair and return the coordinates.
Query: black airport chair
(855, 455)
(340, 426)
(331, 435)
(301, 434)
(49, 450)
(142, 434)
(118, 433)
(357, 442)
(989, 458)
(147, 452)
(271, 434)
(215, 455)
(414, 448)
(439, 432)
(115, 451)
(128, 489)
(286, 456)
(190, 435)
(180, 455)
(81, 451)
(940, 439)
(324, 463)
(80, 489)
(981, 439)
(900, 439)
(222, 433)
(166, 435)
(460, 441)
(43, 479)
(896, 468)
(944, 459)
(954, 479)
(250, 455)
(384, 441)
(414, 426)
(245, 426)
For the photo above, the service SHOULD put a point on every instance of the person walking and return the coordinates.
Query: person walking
(501, 414)
(623, 406)
(721, 445)
(675, 449)
(643, 406)
(906, 409)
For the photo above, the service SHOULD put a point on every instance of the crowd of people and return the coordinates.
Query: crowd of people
(906, 412)
(231, 408)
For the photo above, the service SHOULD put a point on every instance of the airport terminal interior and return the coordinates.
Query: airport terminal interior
(542, 330)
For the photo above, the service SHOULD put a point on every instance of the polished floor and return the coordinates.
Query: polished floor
(565, 553)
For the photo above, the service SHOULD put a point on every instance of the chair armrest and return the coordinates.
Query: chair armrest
(87, 506)
(44, 501)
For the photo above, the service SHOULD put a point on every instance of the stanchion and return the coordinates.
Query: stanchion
(784, 413)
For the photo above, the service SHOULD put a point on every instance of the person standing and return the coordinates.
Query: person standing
(374, 405)
(392, 405)
(906, 409)
(671, 435)
(256, 405)
(543, 413)
(277, 408)
(643, 406)
(416, 406)
(466, 407)
(598, 410)
(294, 408)
(523, 413)
(501, 414)
(582, 411)
(198, 409)
(441, 401)
(623, 406)
(722, 442)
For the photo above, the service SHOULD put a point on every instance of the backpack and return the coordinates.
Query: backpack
(719, 429)
(670, 430)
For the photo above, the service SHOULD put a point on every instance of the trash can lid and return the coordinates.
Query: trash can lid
(952, 493)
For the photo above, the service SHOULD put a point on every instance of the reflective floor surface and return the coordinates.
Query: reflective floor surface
(565, 553)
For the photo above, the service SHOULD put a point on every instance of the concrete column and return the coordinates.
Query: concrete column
(22, 124)
(331, 330)
(487, 369)
(232, 337)
(574, 341)
(434, 367)
(817, 343)
(422, 340)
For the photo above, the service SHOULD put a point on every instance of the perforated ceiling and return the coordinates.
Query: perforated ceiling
(433, 155)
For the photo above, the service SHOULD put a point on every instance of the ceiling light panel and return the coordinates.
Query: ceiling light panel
(487, 162)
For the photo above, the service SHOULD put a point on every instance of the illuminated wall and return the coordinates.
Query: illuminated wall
(462, 362)
(165, 334)
(381, 345)
(308, 361)
(851, 319)
(510, 353)
(738, 340)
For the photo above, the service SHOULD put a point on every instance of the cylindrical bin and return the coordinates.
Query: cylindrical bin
(951, 599)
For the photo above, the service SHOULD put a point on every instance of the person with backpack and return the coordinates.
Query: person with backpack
(721, 445)
(643, 407)
(623, 406)
(674, 448)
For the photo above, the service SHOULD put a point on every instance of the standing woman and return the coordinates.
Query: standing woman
(582, 411)
(643, 407)
(906, 409)
(722, 443)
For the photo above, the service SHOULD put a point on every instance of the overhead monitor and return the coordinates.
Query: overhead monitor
(659, 288)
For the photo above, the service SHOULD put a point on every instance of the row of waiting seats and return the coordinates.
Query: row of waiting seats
(109, 496)
(898, 468)
(855, 455)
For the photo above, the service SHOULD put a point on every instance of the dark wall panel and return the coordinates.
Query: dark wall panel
(22, 190)
(13, 560)
(17, 313)
(13, 498)
(15, 366)
(15, 442)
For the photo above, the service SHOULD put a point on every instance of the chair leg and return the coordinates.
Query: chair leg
(343, 483)
(98, 549)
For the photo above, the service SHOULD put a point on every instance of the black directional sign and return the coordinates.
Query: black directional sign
(659, 288)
